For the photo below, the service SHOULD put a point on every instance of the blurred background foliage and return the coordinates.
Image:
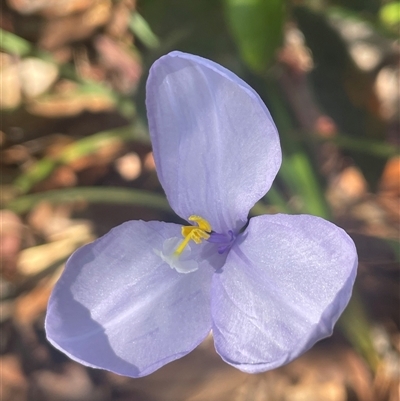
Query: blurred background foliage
(76, 160)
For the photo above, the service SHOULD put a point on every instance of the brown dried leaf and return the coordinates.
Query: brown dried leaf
(14, 385)
(65, 105)
(390, 180)
(122, 64)
(10, 242)
(56, 32)
(50, 8)
(36, 259)
(348, 187)
(29, 306)
(72, 383)
(10, 82)
(118, 25)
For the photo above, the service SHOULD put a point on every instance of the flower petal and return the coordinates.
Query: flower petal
(215, 144)
(119, 307)
(283, 286)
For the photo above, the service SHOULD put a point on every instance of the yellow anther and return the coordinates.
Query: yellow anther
(196, 234)
(202, 223)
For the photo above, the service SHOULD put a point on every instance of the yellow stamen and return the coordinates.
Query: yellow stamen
(196, 234)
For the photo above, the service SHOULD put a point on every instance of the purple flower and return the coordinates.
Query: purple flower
(148, 293)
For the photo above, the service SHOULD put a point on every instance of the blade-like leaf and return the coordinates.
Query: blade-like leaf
(113, 195)
(14, 44)
(142, 30)
(85, 146)
(256, 26)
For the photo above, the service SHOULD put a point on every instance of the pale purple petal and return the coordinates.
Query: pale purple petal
(119, 307)
(283, 286)
(215, 144)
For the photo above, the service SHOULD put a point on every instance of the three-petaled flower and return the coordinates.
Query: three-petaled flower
(148, 293)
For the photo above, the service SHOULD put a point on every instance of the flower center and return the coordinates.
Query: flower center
(195, 233)
(178, 254)
(223, 241)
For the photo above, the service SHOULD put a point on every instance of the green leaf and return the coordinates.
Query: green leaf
(355, 326)
(14, 44)
(297, 171)
(275, 198)
(361, 145)
(85, 146)
(257, 27)
(113, 195)
(389, 14)
(139, 26)
(36, 173)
